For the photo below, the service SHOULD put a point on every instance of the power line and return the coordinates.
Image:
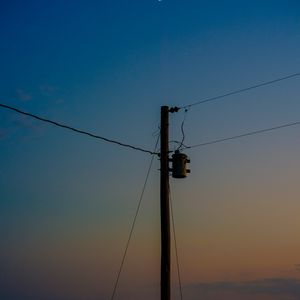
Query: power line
(201, 101)
(244, 135)
(134, 222)
(175, 245)
(75, 129)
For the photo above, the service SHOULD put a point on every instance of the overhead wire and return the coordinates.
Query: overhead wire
(186, 107)
(265, 83)
(175, 244)
(58, 124)
(134, 222)
(244, 135)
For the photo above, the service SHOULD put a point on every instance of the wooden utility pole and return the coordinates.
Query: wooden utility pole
(165, 206)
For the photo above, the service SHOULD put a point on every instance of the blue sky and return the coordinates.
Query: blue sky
(67, 201)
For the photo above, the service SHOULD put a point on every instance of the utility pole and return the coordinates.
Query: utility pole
(165, 270)
(179, 170)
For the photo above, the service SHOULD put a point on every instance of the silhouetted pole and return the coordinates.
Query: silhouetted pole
(165, 272)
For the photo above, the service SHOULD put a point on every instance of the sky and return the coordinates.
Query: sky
(67, 201)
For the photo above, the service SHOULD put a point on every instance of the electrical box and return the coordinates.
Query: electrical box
(179, 165)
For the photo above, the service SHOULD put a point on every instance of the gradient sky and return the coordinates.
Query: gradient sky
(67, 201)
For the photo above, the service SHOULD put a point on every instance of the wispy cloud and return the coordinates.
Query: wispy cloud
(47, 89)
(22, 125)
(52, 92)
(12, 123)
(43, 90)
(23, 95)
(28, 124)
(268, 288)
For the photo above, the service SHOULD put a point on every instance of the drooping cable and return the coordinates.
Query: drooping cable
(182, 129)
(244, 135)
(74, 129)
(134, 222)
(201, 101)
(175, 244)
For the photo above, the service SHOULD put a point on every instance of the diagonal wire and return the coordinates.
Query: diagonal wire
(244, 135)
(133, 223)
(175, 244)
(74, 129)
(201, 101)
